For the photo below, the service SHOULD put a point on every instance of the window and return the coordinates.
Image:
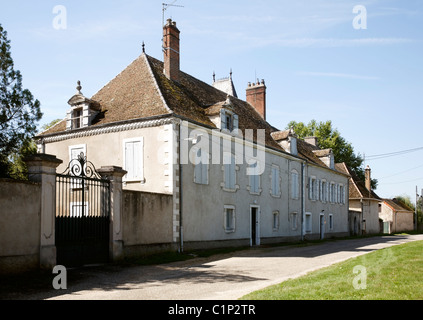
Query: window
(77, 118)
(229, 219)
(295, 190)
(308, 223)
(275, 223)
(201, 169)
(324, 191)
(74, 153)
(229, 168)
(332, 191)
(313, 188)
(330, 221)
(294, 224)
(134, 159)
(341, 194)
(229, 121)
(254, 178)
(275, 178)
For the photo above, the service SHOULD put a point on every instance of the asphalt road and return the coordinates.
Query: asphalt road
(221, 277)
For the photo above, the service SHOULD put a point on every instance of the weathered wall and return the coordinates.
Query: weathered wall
(20, 208)
(147, 222)
(399, 221)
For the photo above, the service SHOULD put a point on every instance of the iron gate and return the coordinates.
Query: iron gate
(82, 215)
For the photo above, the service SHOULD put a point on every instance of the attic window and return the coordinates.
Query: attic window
(77, 118)
(229, 120)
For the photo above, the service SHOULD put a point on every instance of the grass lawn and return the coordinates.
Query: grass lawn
(394, 273)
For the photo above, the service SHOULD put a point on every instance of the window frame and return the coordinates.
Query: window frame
(275, 193)
(229, 223)
(295, 185)
(140, 178)
(275, 220)
(308, 222)
(202, 168)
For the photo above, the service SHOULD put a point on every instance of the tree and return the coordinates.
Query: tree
(19, 111)
(330, 138)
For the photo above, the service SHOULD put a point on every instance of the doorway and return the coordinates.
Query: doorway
(255, 226)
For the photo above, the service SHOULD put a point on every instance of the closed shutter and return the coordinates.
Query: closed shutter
(223, 119)
(134, 157)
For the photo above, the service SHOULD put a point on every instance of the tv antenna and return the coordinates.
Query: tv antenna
(166, 6)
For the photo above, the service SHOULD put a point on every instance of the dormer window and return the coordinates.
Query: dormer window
(77, 118)
(82, 111)
(229, 122)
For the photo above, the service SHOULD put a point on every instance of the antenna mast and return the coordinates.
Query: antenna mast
(166, 6)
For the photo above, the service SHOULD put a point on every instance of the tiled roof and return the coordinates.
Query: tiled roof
(397, 205)
(142, 91)
(357, 188)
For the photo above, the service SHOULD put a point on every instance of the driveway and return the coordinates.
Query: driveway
(222, 277)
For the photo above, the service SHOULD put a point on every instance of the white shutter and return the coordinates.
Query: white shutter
(129, 160)
(197, 168)
(232, 173)
(275, 181)
(223, 119)
(236, 123)
(317, 194)
(137, 160)
(134, 159)
(310, 188)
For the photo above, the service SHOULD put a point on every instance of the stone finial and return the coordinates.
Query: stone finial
(78, 88)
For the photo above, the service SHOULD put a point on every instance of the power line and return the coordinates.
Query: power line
(392, 154)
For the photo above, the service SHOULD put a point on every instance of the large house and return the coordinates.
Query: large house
(234, 179)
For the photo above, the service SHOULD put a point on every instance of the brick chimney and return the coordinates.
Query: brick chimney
(256, 96)
(171, 50)
(368, 178)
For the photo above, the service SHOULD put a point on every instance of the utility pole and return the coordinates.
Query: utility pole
(415, 211)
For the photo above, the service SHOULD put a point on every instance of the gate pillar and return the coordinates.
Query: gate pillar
(42, 169)
(115, 175)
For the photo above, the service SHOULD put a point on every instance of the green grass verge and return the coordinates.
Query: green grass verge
(394, 273)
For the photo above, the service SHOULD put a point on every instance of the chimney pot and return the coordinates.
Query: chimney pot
(256, 96)
(171, 50)
(368, 178)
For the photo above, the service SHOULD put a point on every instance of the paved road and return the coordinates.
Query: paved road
(224, 277)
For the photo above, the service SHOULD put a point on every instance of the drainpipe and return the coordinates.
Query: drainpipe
(181, 226)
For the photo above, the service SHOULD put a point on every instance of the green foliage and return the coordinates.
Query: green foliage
(19, 111)
(330, 138)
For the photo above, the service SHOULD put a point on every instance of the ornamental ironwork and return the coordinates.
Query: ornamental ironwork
(81, 167)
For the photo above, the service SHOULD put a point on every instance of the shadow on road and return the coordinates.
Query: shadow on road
(38, 285)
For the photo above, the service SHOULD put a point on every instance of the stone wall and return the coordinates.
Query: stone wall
(20, 214)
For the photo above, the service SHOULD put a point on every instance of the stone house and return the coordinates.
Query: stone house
(364, 203)
(396, 216)
(231, 177)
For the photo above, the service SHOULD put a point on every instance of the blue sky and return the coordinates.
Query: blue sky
(315, 63)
